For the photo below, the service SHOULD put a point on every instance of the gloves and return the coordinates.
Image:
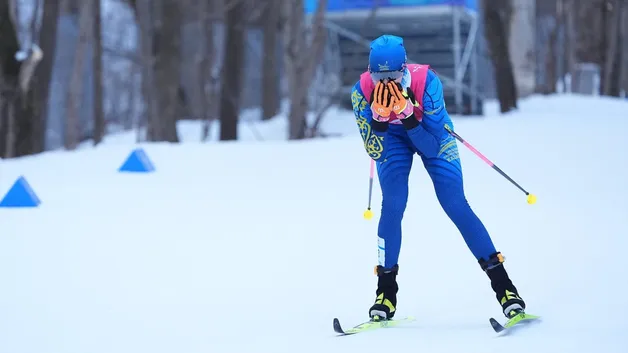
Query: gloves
(381, 102)
(403, 105)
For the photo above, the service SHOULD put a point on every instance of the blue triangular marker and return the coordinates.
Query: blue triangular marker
(20, 195)
(137, 162)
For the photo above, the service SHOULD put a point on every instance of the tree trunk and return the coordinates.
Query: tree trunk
(522, 46)
(589, 44)
(145, 13)
(301, 59)
(205, 63)
(232, 73)
(167, 71)
(17, 121)
(99, 113)
(613, 48)
(551, 74)
(271, 96)
(75, 91)
(496, 23)
(624, 49)
(294, 35)
(569, 53)
(43, 73)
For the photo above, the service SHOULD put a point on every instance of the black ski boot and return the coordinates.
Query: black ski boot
(505, 292)
(387, 288)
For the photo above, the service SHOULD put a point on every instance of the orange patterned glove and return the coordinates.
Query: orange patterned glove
(382, 102)
(402, 106)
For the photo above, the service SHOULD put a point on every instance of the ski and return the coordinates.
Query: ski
(521, 318)
(369, 325)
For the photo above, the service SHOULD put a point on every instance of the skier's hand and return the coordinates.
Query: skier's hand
(382, 102)
(402, 106)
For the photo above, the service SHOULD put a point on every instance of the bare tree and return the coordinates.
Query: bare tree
(17, 120)
(271, 96)
(205, 62)
(589, 40)
(144, 13)
(232, 77)
(160, 23)
(75, 91)
(167, 71)
(47, 39)
(325, 92)
(497, 15)
(301, 59)
(600, 41)
(119, 79)
(612, 62)
(522, 46)
(554, 10)
(624, 40)
(569, 55)
(99, 113)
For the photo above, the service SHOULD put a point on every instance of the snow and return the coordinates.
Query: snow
(255, 246)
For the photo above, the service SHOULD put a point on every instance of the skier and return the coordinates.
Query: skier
(400, 111)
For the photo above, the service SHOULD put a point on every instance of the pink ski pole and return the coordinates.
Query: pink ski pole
(368, 214)
(531, 197)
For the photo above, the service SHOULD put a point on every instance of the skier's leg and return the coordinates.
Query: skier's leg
(393, 179)
(446, 173)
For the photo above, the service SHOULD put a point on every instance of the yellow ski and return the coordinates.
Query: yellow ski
(370, 325)
(519, 319)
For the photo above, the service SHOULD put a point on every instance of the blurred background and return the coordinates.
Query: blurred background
(252, 211)
(75, 71)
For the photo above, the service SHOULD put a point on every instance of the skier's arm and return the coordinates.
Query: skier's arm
(428, 134)
(372, 131)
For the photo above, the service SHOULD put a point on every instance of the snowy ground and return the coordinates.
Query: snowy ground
(255, 246)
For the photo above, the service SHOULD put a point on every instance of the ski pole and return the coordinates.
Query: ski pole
(531, 197)
(368, 214)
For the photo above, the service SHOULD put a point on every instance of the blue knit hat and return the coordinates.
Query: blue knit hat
(387, 54)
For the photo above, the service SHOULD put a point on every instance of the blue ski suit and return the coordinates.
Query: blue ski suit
(393, 148)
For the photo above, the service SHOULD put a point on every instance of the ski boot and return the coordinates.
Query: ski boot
(505, 292)
(387, 288)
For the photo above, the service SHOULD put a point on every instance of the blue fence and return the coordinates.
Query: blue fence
(345, 5)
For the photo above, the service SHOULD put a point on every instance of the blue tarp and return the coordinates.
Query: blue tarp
(345, 5)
